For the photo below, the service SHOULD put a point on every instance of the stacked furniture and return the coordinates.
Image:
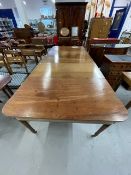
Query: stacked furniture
(32, 50)
(19, 62)
(46, 41)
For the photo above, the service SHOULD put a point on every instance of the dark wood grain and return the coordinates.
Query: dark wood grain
(113, 66)
(61, 89)
(70, 15)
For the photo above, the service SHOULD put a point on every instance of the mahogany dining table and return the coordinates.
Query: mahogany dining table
(66, 86)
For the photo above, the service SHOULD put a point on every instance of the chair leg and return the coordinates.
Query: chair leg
(128, 105)
(24, 62)
(6, 92)
(102, 128)
(26, 69)
(9, 69)
(36, 59)
(9, 90)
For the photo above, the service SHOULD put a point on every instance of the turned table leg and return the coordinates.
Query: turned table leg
(27, 125)
(101, 129)
(128, 105)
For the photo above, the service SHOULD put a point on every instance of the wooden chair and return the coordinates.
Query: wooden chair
(126, 76)
(40, 51)
(4, 80)
(14, 57)
(29, 52)
(3, 61)
(30, 48)
(24, 34)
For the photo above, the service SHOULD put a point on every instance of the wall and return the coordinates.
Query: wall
(72, 1)
(32, 6)
(121, 2)
(10, 4)
(127, 24)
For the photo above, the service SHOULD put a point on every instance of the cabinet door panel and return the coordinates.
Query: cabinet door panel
(63, 16)
(77, 18)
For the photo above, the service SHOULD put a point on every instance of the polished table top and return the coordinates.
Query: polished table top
(67, 85)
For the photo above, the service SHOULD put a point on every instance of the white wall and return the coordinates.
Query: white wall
(33, 8)
(121, 2)
(72, 1)
(9, 4)
(127, 24)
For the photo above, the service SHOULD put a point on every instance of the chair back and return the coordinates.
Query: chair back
(28, 52)
(11, 53)
(23, 33)
(39, 41)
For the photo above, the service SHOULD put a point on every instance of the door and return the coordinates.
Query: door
(118, 22)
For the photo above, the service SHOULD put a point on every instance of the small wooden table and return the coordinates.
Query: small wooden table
(67, 86)
(97, 51)
(113, 66)
(39, 51)
(4, 80)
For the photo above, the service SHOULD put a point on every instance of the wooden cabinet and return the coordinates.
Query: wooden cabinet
(70, 15)
(99, 27)
(113, 66)
(97, 51)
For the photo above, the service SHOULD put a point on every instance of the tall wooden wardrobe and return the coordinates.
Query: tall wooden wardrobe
(70, 15)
